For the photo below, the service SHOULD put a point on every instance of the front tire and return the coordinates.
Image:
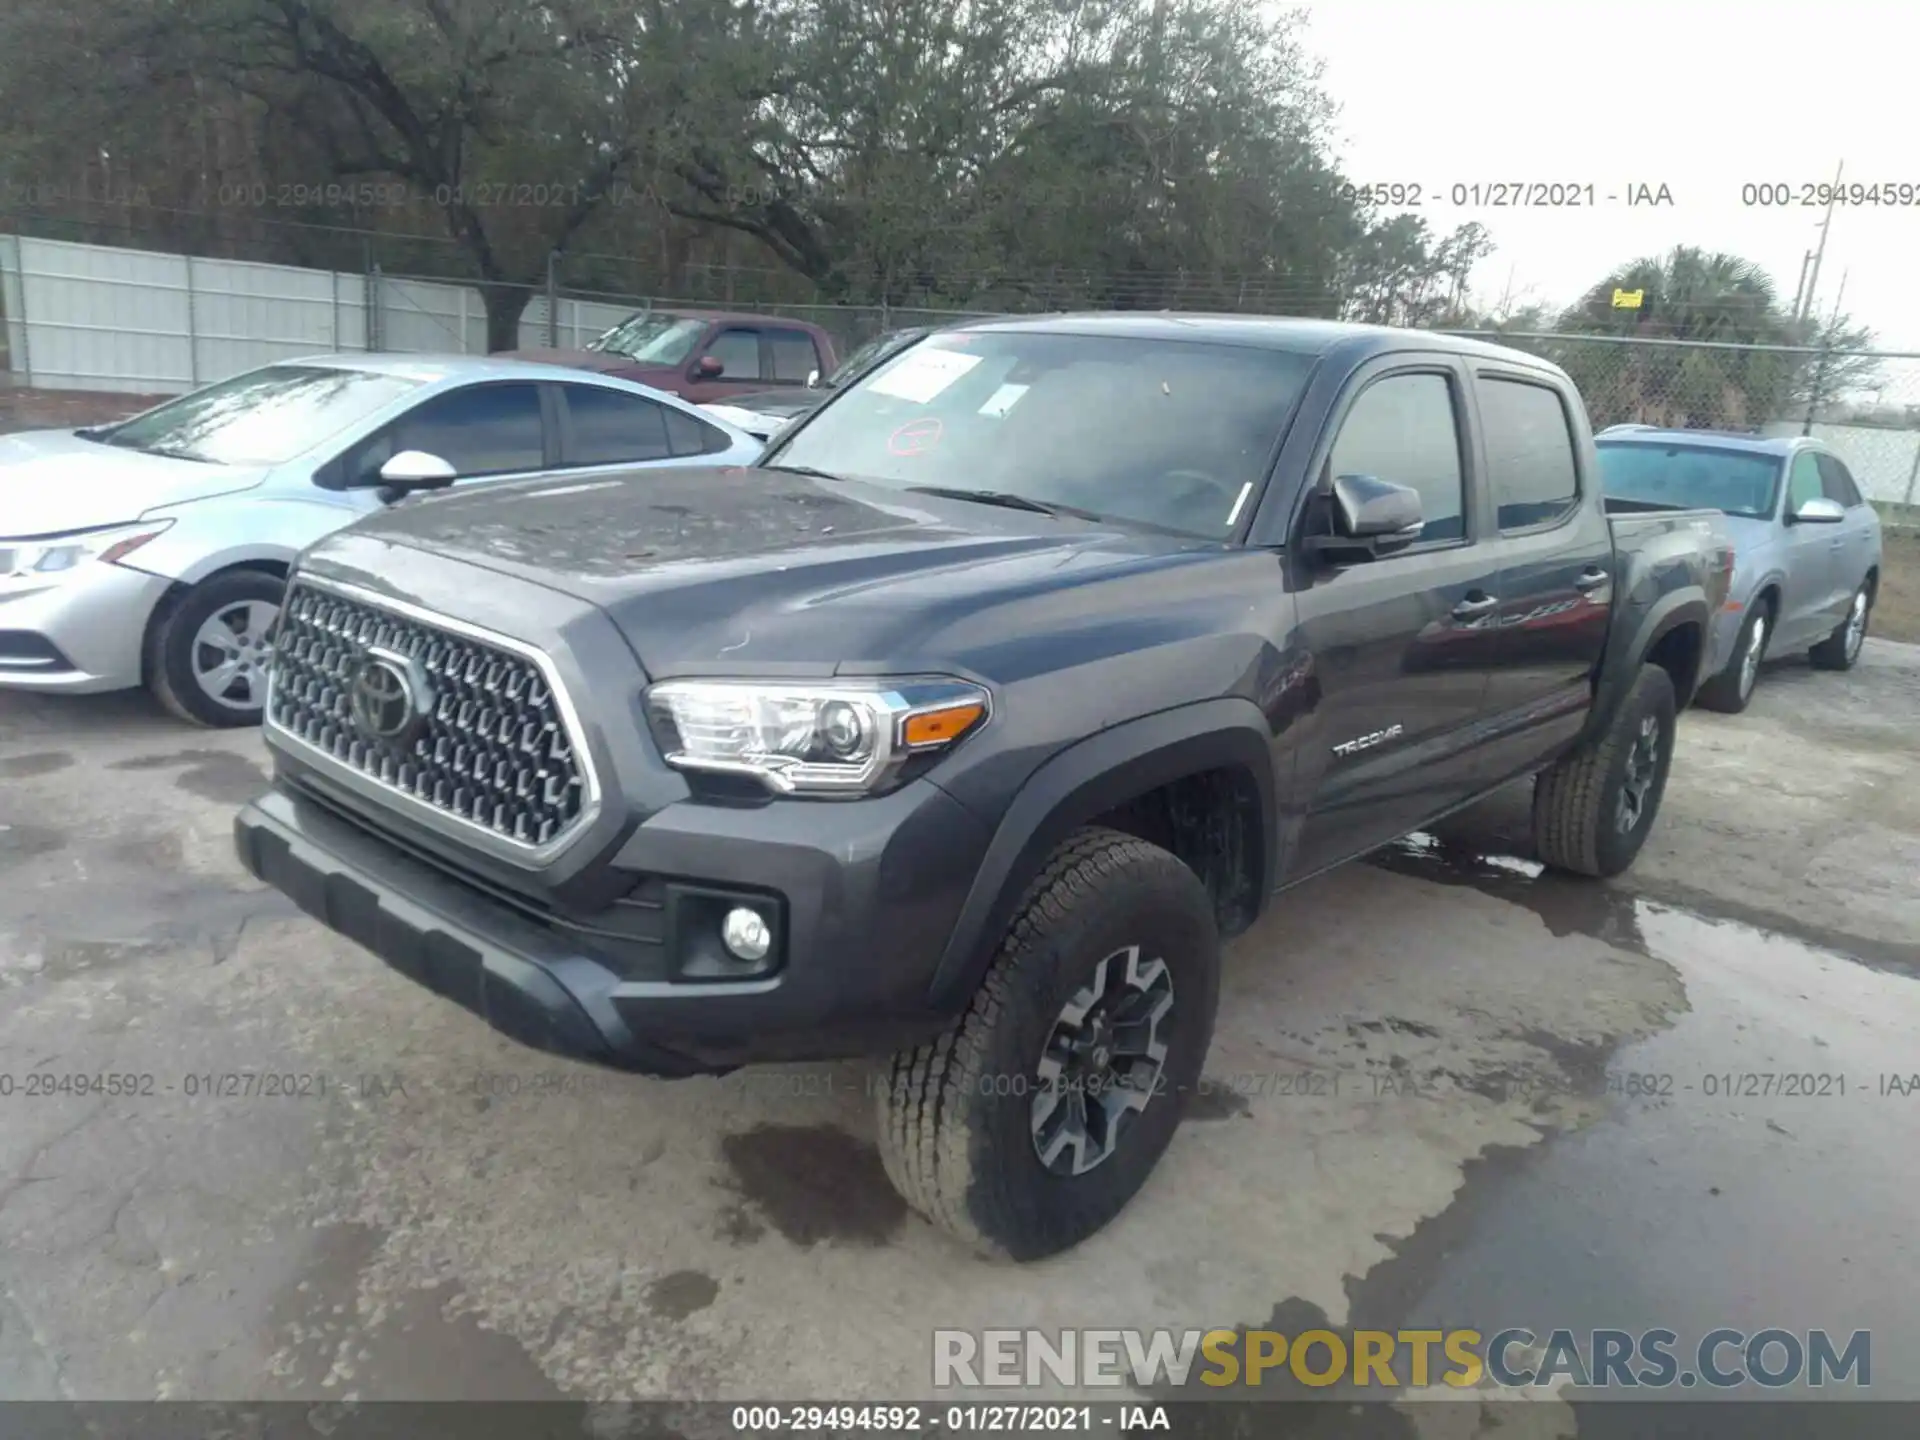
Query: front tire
(1841, 649)
(208, 650)
(1593, 809)
(1003, 1131)
(1731, 690)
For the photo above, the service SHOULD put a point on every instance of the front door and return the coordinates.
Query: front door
(1806, 599)
(1401, 645)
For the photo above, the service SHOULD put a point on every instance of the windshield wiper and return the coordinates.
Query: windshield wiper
(1007, 500)
(804, 470)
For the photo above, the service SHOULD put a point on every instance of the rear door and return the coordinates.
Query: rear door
(1401, 645)
(1852, 548)
(602, 428)
(1556, 567)
(1807, 603)
(791, 357)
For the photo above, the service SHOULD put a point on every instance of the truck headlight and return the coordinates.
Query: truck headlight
(52, 556)
(840, 737)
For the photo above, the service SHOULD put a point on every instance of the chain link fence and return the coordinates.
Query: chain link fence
(226, 314)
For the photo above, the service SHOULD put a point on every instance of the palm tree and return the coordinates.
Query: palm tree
(1689, 295)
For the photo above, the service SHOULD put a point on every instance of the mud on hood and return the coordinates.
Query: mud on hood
(710, 569)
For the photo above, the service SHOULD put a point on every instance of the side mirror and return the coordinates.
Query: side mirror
(417, 470)
(709, 367)
(1820, 511)
(1371, 517)
(813, 379)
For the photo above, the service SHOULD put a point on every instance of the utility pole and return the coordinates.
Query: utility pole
(1813, 281)
(1800, 290)
(1817, 395)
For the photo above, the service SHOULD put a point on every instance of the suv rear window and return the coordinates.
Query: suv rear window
(1690, 477)
(1171, 434)
(1530, 463)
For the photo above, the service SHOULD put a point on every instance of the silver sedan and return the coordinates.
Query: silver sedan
(1806, 542)
(154, 551)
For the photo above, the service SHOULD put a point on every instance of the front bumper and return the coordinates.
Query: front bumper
(81, 634)
(868, 894)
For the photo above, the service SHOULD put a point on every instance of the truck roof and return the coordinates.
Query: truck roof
(1704, 439)
(1273, 332)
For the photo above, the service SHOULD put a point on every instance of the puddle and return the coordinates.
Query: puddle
(680, 1294)
(25, 767)
(217, 775)
(814, 1183)
(1707, 1197)
(414, 1347)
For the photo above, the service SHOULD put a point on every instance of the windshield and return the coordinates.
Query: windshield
(1172, 434)
(261, 418)
(653, 338)
(1703, 477)
(871, 353)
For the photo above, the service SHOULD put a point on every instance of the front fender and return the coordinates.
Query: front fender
(211, 536)
(1084, 781)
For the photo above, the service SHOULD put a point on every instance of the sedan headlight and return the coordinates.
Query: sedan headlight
(55, 555)
(841, 737)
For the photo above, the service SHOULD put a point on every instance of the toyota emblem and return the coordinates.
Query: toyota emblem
(387, 701)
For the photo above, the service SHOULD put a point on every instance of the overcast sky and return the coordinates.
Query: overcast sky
(1700, 95)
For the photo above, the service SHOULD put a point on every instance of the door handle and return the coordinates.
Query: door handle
(1474, 605)
(1591, 578)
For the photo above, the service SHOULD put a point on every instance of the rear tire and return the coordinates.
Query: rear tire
(1593, 809)
(970, 1132)
(215, 632)
(1841, 649)
(1730, 691)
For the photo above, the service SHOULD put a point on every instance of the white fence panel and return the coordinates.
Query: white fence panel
(18, 360)
(248, 314)
(424, 317)
(1885, 462)
(99, 318)
(580, 321)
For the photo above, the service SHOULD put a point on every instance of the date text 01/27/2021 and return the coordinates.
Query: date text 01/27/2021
(1507, 194)
(988, 1418)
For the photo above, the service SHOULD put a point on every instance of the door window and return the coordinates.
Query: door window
(690, 436)
(479, 430)
(1530, 464)
(1835, 482)
(609, 427)
(739, 352)
(1402, 429)
(1803, 481)
(794, 357)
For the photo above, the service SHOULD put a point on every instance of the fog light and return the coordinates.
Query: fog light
(746, 934)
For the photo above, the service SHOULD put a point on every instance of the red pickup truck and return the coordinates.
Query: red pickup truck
(703, 355)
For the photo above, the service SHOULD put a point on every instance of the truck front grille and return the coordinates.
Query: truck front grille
(484, 739)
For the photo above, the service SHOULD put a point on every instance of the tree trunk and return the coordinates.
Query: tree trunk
(505, 305)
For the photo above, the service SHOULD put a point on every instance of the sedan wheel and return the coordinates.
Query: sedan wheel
(231, 653)
(209, 650)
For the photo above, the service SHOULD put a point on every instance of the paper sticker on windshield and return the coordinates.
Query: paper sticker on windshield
(1002, 400)
(923, 374)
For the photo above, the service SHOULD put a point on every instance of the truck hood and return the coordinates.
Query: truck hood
(710, 571)
(53, 482)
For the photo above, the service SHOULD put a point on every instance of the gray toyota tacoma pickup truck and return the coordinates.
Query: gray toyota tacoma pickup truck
(961, 728)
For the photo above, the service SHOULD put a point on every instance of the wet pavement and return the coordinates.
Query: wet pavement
(1446, 1090)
